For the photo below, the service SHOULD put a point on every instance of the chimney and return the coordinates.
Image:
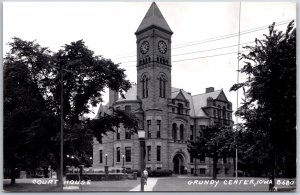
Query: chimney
(209, 89)
(113, 97)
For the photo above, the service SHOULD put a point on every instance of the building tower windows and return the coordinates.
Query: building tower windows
(118, 154)
(100, 156)
(148, 153)
(145, 86)
(158, 151)
(174, 131)
(148, 128)
(224, 112)
(181, 129)
(158, 123)
(180, 108)
(162, 86)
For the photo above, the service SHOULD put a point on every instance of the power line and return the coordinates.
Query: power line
(211, 49)
(214, 38)
(230, 35)
(208, 56)
(218, 48)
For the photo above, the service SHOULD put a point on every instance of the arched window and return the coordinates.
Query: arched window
(180, 108)
(219, 111)
(174, 131)
(228, 106)
(145, 86)
(224, 112)
(162, 87)
(181, 130)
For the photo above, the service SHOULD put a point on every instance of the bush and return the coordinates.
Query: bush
(134, 170)
(160, 173)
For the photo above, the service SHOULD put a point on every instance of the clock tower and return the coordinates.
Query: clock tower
(154, 60)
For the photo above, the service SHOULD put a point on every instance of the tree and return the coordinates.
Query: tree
(269, 106)
(32, 101)
(213, 142)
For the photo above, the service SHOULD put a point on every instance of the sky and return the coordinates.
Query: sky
(203, 33)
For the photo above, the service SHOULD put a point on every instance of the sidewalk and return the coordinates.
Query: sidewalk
(151, 182)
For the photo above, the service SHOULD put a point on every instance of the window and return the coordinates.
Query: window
(118, 107)
(149, 153)
(149, 128)
(145, 86)
(158, 149)
(127, 134)
(202, 158)
(202, 171)
(180, 108)
(228, 116)
(228, 106)
(118, 133)
(158, 168)
(128, 154)
(173, 101)
(181, 128)
(226, 170)
(192, 132)
(100, 156)
(214, 103)
(158, 123)
(118, 154)
(127, 109)
(162, 86)
(215, 113)
(174, 131)
(224, 112)
(219, 111)
(218, 170)
(224, 160)
(173, 110)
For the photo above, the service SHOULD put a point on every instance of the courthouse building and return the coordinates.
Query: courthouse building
(171, 116)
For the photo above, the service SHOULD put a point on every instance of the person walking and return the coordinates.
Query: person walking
(145, 174)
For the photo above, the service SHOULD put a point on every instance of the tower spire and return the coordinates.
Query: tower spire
(154, 18)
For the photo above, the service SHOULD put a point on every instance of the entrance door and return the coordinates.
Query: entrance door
(178, 164)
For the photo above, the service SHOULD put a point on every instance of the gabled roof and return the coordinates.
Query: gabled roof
(154, 17)
(197, 102)
(200, 101)
(176, 91)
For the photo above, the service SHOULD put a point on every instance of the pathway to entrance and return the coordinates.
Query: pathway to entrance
(151, 182)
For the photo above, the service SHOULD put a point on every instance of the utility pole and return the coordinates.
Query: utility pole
(61, 127)
(237, 96)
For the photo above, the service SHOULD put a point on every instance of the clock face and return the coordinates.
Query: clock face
(162, 47)
(145, 47)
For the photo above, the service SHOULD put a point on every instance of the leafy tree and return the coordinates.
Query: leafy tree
(32, 101)
(269, 106)
(214, 142)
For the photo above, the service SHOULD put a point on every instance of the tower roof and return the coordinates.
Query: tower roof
(154, 17)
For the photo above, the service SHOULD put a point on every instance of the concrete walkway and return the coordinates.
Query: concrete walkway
(149, 187)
